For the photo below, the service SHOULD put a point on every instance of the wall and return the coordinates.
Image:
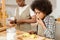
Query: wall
(56, 12)
(11, 4)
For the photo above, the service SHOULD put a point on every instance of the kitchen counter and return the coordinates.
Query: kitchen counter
(20, 35)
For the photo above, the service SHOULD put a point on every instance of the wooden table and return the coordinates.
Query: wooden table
(21, 37)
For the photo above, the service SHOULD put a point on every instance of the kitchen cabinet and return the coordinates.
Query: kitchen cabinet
(3, 15)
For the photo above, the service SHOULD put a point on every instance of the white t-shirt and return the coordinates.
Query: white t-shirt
(21, 9)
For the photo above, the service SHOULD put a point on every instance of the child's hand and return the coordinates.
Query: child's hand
(12, 22)
(39, 21)
(32, 32)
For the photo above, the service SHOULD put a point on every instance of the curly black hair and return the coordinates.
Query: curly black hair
(42, 5)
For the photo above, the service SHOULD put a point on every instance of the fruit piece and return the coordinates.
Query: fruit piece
(26, 35)
(33, 36)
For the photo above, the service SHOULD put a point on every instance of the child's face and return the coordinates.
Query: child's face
(39, 14)
(20, 2)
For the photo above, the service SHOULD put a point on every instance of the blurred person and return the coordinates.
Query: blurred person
(43, 9)
(24, 16)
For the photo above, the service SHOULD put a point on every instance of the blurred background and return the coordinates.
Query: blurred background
(11, 5)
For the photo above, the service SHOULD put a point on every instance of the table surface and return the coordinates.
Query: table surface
(20, 37)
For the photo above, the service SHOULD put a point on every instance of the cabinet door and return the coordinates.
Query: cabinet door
(3, 12)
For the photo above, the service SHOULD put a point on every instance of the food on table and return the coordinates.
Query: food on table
(26, 35)
(33, 36)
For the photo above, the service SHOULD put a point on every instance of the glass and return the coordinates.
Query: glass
(11, 31)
